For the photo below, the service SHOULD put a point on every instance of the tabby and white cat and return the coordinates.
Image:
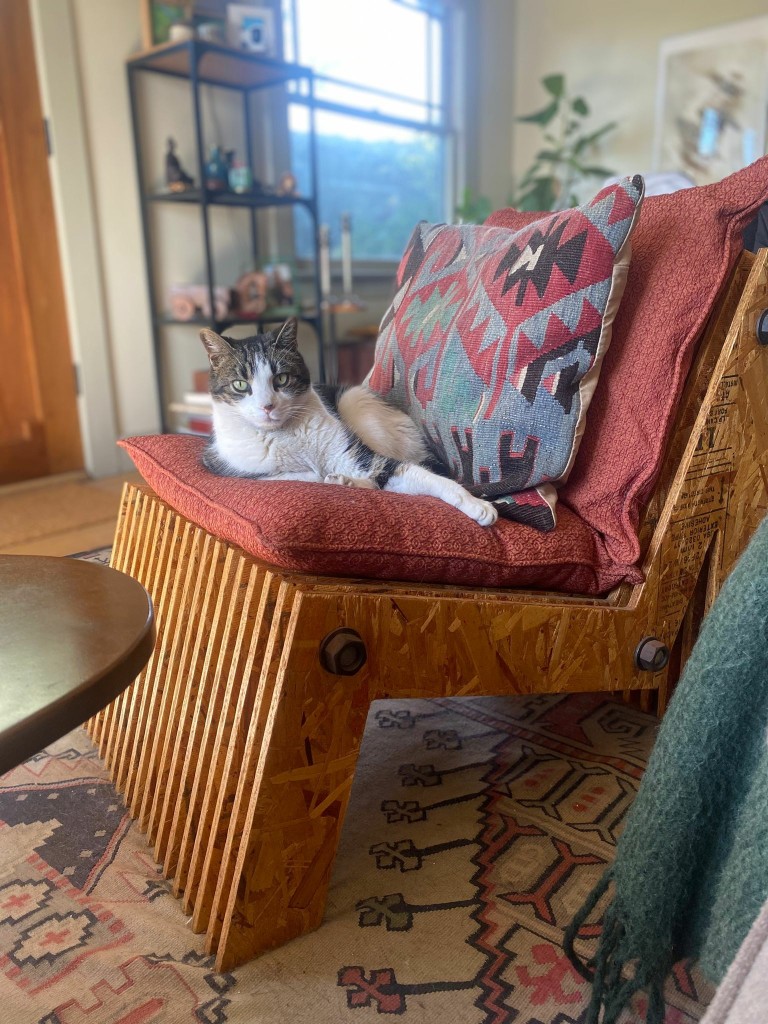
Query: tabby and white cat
(270, 422)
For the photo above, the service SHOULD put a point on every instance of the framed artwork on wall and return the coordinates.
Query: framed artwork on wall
(712, 100)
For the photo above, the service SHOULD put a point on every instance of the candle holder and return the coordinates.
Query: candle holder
(343, 304)
(332, 304)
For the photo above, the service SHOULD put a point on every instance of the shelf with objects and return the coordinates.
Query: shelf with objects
(263, 292)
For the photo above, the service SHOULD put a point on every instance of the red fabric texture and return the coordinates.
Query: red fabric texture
(683, 248)
(343, 531)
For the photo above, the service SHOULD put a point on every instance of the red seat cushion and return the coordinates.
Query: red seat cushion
(683, 248)
(343, 531)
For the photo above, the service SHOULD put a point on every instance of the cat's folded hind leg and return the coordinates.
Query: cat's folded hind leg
(409, 478)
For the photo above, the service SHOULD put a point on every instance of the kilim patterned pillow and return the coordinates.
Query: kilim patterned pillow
(494, 340)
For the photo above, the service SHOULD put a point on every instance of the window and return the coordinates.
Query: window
(385, 144)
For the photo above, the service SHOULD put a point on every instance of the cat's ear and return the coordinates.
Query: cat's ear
(288, 335)
(216, 346)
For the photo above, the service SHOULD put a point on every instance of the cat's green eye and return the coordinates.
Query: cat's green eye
(240, 385)
(281, 379)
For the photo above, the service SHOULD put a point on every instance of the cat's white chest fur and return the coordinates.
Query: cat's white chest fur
(311, 447)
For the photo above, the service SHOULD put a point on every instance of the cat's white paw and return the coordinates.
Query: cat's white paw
(349, 481)
(479, 509)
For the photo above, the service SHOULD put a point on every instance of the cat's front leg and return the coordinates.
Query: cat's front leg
(409, 478)
(350, 481)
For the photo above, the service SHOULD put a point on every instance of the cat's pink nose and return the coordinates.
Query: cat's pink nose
(268, 408)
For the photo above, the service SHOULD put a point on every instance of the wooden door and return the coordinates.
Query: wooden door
(39, 428)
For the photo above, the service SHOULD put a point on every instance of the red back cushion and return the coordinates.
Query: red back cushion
(683, 248)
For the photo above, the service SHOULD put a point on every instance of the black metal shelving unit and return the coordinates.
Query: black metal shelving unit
(203, 63)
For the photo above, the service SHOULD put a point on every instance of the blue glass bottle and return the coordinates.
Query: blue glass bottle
(216, 171)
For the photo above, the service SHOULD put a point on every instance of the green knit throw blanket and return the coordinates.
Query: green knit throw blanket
(691, 868)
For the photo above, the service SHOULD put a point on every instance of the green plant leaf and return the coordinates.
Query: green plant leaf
(473, 209)
(591, 139)
(529, 175)
(551, 180)
(542, 117)
(541, 197)
(554, 84)
(483, 209)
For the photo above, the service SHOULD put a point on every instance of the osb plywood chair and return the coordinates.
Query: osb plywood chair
(278, 623)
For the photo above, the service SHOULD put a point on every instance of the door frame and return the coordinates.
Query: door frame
(56, 57)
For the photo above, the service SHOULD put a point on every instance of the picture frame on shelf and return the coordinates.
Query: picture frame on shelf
(711, 100)
(251, 28)
(158, 18)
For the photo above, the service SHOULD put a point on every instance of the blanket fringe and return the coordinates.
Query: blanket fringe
(611, 993)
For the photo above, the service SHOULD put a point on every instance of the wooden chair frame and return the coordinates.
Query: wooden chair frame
(236, 747)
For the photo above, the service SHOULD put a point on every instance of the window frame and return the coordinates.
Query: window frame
(445, 118)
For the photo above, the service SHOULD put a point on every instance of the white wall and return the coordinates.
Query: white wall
(106, 34)
(491, 101)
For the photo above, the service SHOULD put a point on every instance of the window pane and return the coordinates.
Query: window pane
(377, 43)
(369, 102)
(388, 178)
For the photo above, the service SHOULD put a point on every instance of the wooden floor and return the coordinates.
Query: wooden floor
(60, 515)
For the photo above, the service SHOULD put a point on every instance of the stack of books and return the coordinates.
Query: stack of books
(194, 410)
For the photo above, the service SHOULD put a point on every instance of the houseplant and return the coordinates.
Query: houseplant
(563, 162)
(559, 166)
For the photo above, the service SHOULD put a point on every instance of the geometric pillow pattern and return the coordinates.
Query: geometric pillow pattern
(494, 340)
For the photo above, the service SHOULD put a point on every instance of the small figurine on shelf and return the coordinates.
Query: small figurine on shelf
(211, 32)
(240, 178)
(216, 171)
(193, 301)
(281, 295)
(286, 186)
(176, 178)
(251, 290)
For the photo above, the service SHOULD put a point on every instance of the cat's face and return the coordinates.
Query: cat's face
(264, 377)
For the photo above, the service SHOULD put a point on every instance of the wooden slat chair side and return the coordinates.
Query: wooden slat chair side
(236, 747)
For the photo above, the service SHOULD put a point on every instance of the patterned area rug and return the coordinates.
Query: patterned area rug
(476, 827)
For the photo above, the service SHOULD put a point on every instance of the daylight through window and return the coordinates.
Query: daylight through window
(384, 134)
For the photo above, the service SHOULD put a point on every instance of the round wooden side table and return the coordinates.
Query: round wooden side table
(73, 635)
